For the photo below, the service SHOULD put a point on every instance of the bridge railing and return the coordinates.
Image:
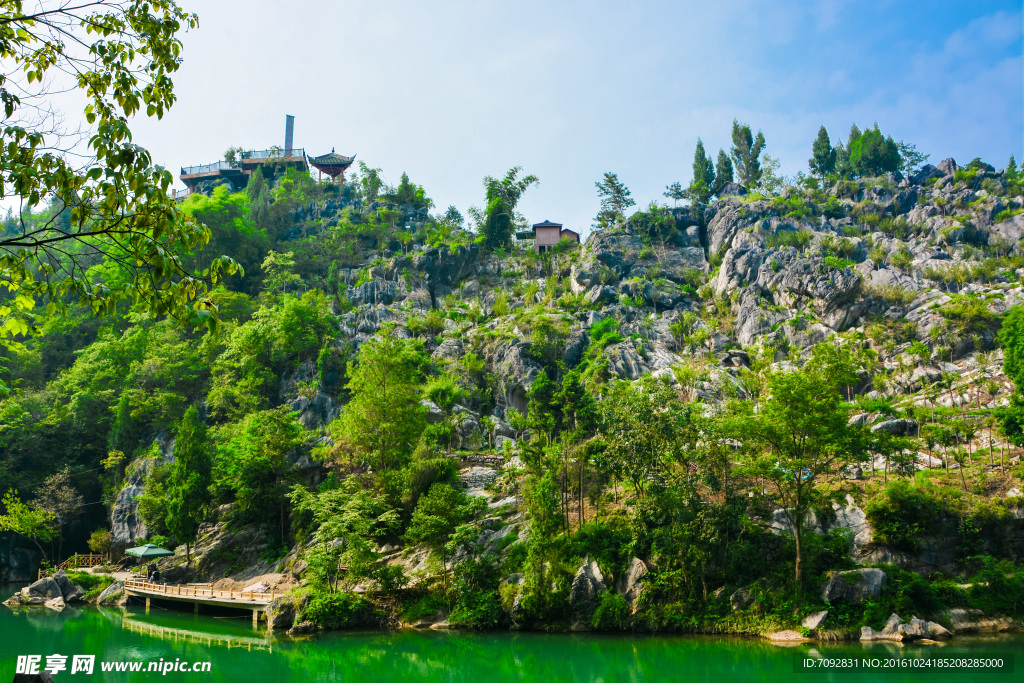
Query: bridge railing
(200, 592)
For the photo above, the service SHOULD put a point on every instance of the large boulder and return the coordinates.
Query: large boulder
(446, 266)
(44, 588)
(742, 598)
(854, 586)
(111, 594)
(732, 190)
(630, 584)
(897, 630)
(587, 585)
(515, 372)
(902, 427)
(69, 591)
(280, 614)
(376, 291)
(975, 621)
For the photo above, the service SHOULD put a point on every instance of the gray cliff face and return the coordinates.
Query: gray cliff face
(126, 524)
(17, 563)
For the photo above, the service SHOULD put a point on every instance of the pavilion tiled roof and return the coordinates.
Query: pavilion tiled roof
(331, 158)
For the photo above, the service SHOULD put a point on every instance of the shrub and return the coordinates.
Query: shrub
(423, 474)
(612, 613)
(893, 295)
(94, 584)
(837, 263)
(901, 259)
(998, 587)
(340, 610)
(798, 239)
(902, 513)
(1007, 215)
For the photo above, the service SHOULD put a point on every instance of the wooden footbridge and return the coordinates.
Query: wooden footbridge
(202, 594)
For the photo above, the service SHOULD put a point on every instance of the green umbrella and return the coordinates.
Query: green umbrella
(149, 550)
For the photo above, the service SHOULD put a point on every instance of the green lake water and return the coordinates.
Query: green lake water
(238, 653)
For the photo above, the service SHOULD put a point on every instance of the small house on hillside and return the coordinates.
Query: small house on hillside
(548, 234)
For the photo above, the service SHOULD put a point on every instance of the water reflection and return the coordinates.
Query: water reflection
(238, 653)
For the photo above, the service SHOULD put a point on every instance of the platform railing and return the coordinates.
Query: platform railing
(199, 591)
(76, 561)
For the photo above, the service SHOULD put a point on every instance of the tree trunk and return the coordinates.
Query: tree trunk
(798, 537)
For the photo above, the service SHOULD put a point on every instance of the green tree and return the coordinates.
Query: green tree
(380, 424)
(823, 155)
(62, 500)
(439, 512)
(188, 483)
(371, 182)
(123, 436)
(844, 168)
(703, 184)
(675, 192)
(770, 183)
(871, 154)
(746, 152)
(615, 199)
(99, 542)
(1011, 338)
(647, 429)
(723, 170)
(350, 523)
(801, 434)
(34, 523)
(256, 463)
(910, 158)
(113, 200)
(503, 196)
(1011, 172)
(278, 272)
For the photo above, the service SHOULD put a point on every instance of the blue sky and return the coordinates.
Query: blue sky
(452, 91)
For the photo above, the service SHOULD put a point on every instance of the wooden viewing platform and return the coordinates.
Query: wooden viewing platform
(201, 594)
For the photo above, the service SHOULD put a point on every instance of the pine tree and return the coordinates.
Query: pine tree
(871, 154)
(746, 150)
(703, 175)
(823, 159)
(188, 484)
(723, 170)
(1011, 172)
(854, 135)
(615, 199)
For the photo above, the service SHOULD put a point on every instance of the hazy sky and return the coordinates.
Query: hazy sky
(452, 91)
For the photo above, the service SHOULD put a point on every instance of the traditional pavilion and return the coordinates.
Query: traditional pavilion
(332, 164)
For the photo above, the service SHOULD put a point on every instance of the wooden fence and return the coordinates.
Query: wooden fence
(199, 592)
(76, 561)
